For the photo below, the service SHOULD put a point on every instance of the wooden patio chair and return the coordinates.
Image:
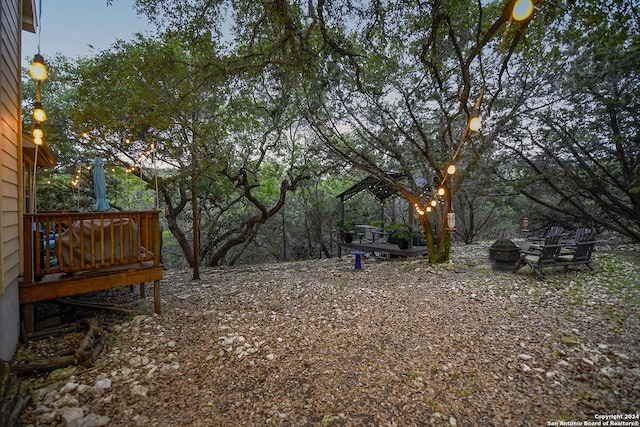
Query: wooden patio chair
(583, 234)
(550, 256)
(580, 255)
(537, 242)
(540, 257)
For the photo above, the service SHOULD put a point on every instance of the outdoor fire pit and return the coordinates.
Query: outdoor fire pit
(504, 250)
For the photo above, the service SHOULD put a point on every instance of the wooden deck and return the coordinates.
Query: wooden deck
(386, 248)
(70, 253)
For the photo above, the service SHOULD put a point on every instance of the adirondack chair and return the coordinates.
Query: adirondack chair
(549, 255)
(583, 234)
(539, 257)
(581, 255)
(536, 242)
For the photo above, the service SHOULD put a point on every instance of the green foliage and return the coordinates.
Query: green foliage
(255, 132)
(344, 227)
(329, 420)
(580, 162)
(399, 230)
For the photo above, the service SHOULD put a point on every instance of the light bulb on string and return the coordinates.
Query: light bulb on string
(39, 114)
(451, 168)
(441, 191)
(474, 122)
(37, 131)
(522, 10)
(38, 70)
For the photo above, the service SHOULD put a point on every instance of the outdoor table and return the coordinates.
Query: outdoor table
(381, 236)
(367, 231)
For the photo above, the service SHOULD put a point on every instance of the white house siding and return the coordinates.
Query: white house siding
(10, 160)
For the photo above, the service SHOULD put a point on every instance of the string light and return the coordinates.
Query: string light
(37, 131)
(38, 70)
(39, 114)
(474, 122)
(522, 10)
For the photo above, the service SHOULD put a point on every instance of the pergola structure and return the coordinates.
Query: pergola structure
(378, 188)
(381, 189)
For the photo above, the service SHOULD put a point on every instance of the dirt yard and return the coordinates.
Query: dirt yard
(398, 343)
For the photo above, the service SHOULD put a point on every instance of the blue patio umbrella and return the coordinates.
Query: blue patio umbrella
(100, 185)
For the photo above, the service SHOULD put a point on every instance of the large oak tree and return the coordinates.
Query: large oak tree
(577, 142)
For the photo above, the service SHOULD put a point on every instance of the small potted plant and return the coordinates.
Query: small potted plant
(380, 224)
(346, 229)
(400, 234)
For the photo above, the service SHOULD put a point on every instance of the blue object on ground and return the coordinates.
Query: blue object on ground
(358, 255)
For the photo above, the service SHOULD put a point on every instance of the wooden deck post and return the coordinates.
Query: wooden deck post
(156, 296)
(29, 318)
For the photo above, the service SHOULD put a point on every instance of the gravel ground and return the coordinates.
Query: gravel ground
(398, 343)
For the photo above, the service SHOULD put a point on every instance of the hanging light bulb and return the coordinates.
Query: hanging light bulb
(37, 141)
(38, 70)
(441, 191)
(429, 209)
(38, 112)
(433, 203)
(522, 10)
(37, 131)
(474, 122)
(451, 169)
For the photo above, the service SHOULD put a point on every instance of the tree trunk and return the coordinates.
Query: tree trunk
(196, 232)
(284, 238)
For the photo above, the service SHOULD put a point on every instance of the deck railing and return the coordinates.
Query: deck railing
(65, 242)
